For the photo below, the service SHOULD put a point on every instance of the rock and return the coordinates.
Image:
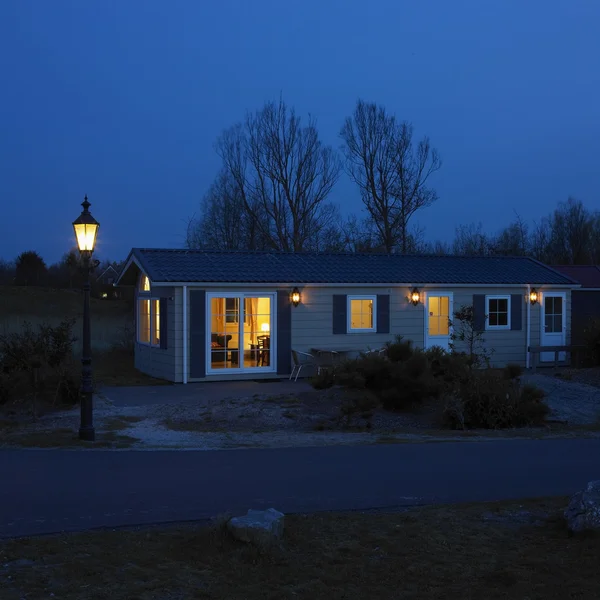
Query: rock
(583, 512)
(260, 527)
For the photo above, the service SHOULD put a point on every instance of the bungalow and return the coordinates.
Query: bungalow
(216, 315)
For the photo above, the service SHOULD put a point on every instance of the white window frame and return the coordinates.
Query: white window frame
(240, 324)
(146, 295)
(489, 327)
(349, 327)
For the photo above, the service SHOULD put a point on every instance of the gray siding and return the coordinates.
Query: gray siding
(159, 362)
(312, 326)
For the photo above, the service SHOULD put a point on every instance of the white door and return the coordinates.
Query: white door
(554, 326)
(438, 310)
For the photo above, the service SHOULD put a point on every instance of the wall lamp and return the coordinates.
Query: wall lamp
(533, 296)
(295, 296)
(415, 296)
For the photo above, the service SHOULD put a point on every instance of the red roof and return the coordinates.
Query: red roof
(587, 275)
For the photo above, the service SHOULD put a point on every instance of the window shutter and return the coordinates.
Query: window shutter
(163, 307)
(197, 329)
(479, 312)
(516, 311)
(340, 313)
(383, 313)
(284, 332)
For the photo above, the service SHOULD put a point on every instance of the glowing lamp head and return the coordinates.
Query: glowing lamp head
(415, 296)
(265, 327)
(86, 229)
(533, 296)
(295, 296)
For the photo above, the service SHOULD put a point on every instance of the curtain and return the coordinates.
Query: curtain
(253, 305)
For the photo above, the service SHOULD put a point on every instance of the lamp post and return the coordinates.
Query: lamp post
(86, 228)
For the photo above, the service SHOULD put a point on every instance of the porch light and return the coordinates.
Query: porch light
(533, 296)
(295, 296)
(415, 296)
(86, 228)
(265, 327)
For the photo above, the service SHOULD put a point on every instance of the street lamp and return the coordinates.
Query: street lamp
(86, 229)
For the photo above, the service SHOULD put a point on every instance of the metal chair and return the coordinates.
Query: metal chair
(300, 360)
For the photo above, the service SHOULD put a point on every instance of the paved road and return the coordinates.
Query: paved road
(44, 491)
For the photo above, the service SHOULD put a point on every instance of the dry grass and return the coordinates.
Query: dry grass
(120, 422)
(448, 553)
(62, 438)
(115, 368)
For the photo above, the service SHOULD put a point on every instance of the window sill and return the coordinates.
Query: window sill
(497, 328)
(362, 331)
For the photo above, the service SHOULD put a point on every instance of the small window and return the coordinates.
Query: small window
(497, 312)
(155, 322)
(361, 313)
(144, 321)
(144, 284)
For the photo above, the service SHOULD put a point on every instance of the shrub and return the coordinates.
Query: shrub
(38, 364)
(464, 333)
(323, 380)
(399, 351)
(488, 401)
(357, 403)
(512, 371)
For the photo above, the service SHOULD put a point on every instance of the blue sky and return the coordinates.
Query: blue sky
(124, 99)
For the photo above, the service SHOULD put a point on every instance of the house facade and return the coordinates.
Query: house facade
(209, 316)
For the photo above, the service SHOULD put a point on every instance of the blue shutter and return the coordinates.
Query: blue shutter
(383, 313)
(163, 307)
(284, 333)
(516, 311)
(197, 327)
(479, 312)
(340, 313)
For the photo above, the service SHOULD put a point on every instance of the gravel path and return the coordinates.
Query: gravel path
(570, 401)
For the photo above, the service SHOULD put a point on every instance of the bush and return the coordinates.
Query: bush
(398, 351)
(38, 365)
(488, 401)
(512, 371)
(357, 403)
(323, 380)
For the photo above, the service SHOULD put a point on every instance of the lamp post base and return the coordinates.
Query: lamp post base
(88, 434)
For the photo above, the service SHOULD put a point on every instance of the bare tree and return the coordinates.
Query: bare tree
(224, 223)
(283, 174)
(471, 240)
(571, 227)
(390, 172)
(513, 240)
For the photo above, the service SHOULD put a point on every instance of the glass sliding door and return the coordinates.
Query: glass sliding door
(241, 329)
(257, 332)
(224, 333)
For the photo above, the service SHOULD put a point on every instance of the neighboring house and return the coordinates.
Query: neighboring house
(105, 283)
(585, 300)
(230, 315)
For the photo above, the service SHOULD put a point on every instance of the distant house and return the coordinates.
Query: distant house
(208, 316)
(585, 300)
(105, 283)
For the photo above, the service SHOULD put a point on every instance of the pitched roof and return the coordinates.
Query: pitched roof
(587, 275)
(197, 266)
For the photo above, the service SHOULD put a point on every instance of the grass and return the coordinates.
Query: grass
(63, 438)
(450, 553)
(116, 368)
(121, 422)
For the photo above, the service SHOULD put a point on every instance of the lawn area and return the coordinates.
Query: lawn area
(117, 368)
(478, 551)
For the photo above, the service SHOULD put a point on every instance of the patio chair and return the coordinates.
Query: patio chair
(327, 359)
(300, 360)
(379, 351)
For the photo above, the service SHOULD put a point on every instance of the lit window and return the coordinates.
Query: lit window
(498, 312)
(156, 322)
(144, 321)
(144, 284)
(361, 313)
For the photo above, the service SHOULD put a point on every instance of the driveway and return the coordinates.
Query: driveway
(191, 393)
(49, 491)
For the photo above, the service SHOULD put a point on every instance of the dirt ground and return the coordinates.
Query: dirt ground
(296, 416)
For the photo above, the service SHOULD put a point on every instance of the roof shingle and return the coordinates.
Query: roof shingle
(197, 266)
